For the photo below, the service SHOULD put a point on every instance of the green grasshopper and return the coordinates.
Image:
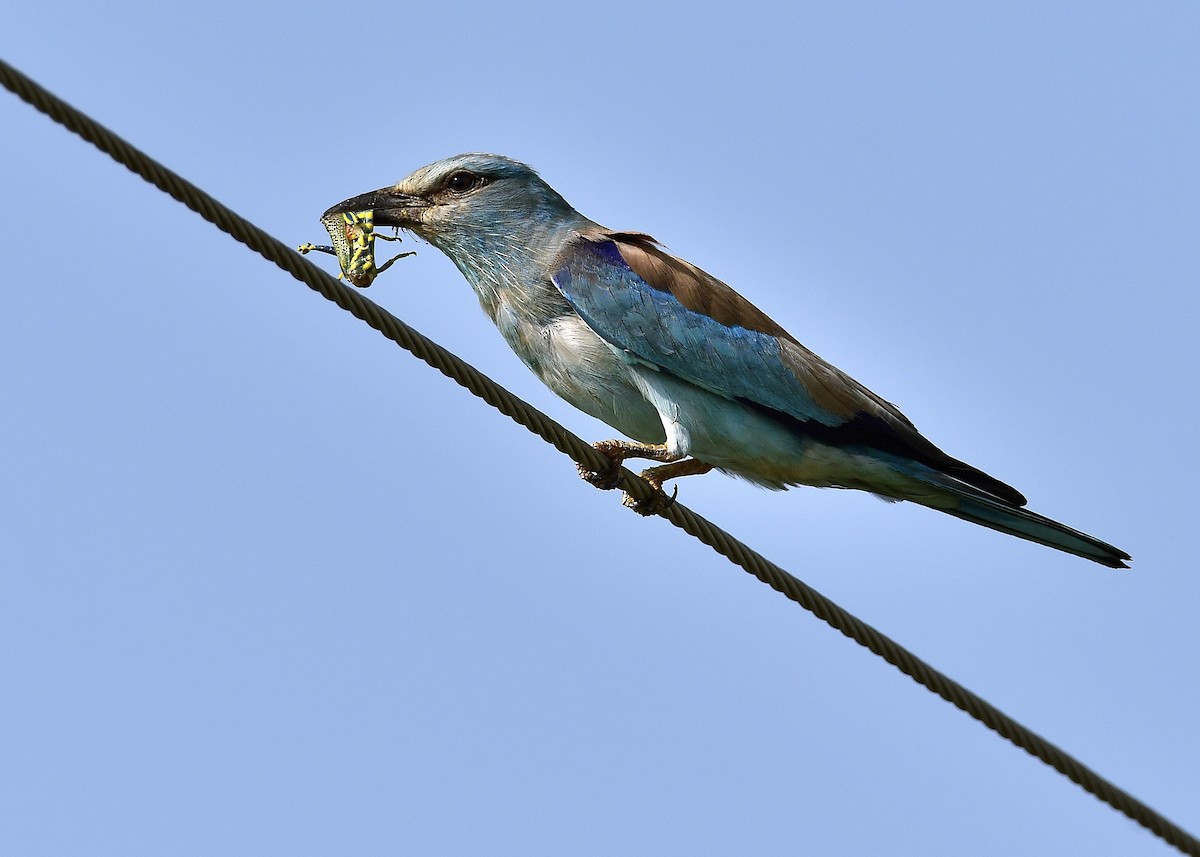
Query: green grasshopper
(353, 236)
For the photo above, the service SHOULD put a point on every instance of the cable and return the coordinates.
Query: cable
(582, 453)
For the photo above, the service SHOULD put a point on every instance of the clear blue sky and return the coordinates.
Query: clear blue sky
(271, 586)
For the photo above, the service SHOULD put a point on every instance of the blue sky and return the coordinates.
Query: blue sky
(271, 586)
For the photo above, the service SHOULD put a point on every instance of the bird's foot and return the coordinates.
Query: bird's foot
(616, 451)
(656, 476)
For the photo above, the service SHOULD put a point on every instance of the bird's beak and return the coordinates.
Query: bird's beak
(391, 207)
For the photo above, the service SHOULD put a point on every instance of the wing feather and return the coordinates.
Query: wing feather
(666, 313)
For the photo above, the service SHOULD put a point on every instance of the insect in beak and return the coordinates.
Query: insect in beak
(353, 236)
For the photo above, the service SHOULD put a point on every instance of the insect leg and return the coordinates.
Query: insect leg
(388, 263)
(305, 249)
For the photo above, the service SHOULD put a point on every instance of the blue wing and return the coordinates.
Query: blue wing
(655, 328)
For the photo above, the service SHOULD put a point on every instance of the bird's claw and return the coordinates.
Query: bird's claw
(604, 480)
(656, 505)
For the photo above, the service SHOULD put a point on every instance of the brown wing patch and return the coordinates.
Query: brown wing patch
(831, 388)
(834, 390)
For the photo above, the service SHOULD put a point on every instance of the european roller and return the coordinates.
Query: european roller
(672, 357)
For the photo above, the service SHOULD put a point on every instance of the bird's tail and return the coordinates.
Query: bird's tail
(999, 515)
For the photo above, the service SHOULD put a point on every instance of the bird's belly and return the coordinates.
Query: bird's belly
(583, 369)
(654, 406)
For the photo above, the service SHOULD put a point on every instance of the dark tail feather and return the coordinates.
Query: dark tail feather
(1031, 526)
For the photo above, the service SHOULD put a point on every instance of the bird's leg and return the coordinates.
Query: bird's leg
(656, 476)
(616, 451)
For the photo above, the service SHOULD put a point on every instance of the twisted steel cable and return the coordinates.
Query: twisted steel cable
(582, 453)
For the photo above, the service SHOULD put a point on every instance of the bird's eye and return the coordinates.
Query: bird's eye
(463, 181)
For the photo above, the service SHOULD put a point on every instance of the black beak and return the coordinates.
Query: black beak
(391, 208)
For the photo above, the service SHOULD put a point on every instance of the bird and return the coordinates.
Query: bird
(696, 375)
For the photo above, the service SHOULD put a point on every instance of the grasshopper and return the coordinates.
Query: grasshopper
(353, 236)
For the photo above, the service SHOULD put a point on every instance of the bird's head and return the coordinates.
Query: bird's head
(470, 205)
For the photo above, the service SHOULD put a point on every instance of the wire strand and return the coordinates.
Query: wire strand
(582, 453)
